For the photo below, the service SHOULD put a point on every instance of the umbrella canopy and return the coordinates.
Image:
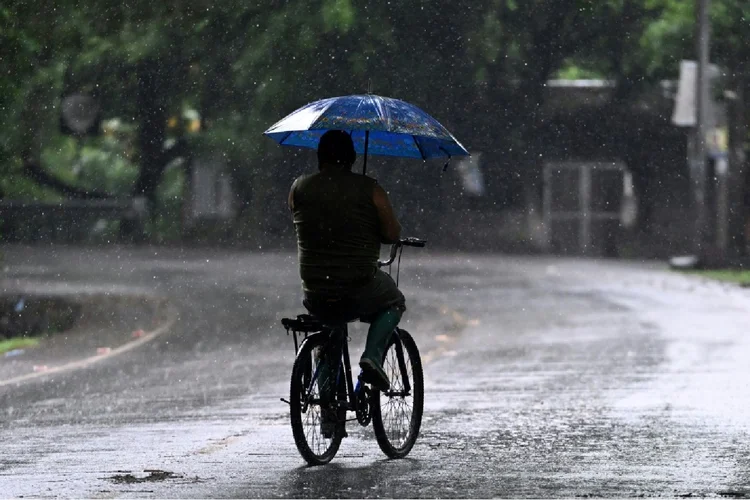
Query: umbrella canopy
(378, 126)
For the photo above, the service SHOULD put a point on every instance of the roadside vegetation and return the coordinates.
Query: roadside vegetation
(24, 321)
(738, 276)
(12, 344)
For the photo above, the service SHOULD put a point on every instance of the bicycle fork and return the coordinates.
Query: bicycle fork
(401, 368)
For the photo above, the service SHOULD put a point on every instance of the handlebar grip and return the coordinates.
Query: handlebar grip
(405, 242)
(413, 242)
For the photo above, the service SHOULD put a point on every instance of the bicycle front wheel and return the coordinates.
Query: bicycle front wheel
(307, 409)
(397, 413)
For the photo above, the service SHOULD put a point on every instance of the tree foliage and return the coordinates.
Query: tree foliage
(480, 67)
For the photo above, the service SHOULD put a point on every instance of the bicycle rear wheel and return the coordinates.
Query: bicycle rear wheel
(305, 404)
(397, 413)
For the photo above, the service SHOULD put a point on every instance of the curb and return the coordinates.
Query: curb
(171, 318)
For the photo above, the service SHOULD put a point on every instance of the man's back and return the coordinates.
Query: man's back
(338, 230)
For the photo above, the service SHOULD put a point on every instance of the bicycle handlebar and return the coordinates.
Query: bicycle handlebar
(413, 242)
(404, 242)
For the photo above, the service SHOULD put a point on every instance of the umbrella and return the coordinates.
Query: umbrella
(378, 126)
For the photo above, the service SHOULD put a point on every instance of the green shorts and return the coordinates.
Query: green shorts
(364, 302)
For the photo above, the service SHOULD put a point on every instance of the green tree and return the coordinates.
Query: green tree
(480, 68)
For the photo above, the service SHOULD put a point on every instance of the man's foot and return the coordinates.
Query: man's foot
(330, 424)
(373, 373)
(327, 429)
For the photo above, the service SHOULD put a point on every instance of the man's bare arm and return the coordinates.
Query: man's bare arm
(390, 228)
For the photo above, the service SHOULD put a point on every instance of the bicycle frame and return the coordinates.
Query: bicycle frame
(340, 335)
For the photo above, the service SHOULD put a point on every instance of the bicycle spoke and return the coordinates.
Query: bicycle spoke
(313, 417)
(311, 404)
(398, 415)
(397, 410)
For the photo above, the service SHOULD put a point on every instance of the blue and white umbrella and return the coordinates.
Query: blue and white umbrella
(378, 126)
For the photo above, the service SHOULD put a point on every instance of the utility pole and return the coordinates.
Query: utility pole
(698, 163)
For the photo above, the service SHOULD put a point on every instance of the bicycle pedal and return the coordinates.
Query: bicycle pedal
(285, 401)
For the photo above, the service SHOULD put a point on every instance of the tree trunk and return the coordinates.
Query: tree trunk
(152, 118)
(738, 172)
(152, 129)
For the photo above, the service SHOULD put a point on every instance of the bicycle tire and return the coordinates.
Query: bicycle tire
(312, 445)
(392, 441)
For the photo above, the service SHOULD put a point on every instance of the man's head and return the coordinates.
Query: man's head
(336, 148)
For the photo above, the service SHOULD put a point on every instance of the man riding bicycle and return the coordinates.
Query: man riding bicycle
(341, 218)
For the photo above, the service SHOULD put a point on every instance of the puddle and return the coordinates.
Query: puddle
(152, 477)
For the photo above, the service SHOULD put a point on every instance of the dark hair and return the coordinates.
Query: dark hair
(337, 147)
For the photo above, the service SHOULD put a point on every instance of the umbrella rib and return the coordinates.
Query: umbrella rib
(419, 148)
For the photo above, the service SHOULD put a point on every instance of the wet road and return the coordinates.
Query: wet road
(544, 377)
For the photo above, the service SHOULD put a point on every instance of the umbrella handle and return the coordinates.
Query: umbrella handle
(367, 143)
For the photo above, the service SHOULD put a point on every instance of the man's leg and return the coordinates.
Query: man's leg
(381, 304)
(330, 383)
(327, 362)
(326, 377)
(379, 334)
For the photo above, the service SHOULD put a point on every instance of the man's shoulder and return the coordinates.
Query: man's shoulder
(302, 179)
(350, 178)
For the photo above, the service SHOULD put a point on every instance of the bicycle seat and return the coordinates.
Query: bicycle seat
(332, 312)
(303, 323)
(307, 323)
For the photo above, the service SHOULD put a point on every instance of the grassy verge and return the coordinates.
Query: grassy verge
(728, 275)
(18, 343)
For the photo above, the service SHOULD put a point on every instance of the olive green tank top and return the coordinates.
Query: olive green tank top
(338, 231)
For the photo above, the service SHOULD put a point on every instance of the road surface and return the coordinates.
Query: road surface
(544, 378)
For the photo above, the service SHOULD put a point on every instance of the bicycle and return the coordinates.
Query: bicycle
(328, 339)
